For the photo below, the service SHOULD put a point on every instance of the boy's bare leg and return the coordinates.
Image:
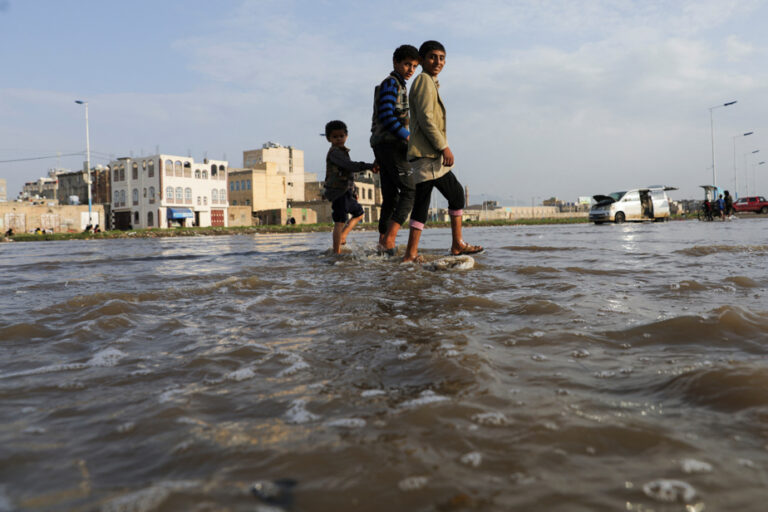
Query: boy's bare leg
(349, 227)
(412, 249)
(338, 228)
(390, 238)
(457, 240)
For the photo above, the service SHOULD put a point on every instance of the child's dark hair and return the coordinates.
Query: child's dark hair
(406, 52)
(428, 46)
(334, 125)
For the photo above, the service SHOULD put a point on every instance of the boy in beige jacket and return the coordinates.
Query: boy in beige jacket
(430, 156)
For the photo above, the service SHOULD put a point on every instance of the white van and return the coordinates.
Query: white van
(638, 204)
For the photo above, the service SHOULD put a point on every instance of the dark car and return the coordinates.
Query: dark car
(756, 204)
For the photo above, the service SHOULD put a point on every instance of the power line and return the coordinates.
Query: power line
(39, 158)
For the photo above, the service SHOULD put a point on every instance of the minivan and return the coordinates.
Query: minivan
(639, 204)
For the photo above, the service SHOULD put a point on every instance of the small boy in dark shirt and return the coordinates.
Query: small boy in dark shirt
(340, 183)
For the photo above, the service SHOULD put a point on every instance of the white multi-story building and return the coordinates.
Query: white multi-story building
(290, 163)
(166, 191)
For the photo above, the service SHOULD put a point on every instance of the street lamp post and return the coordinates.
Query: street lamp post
(754, 179)
(712, 136)
(87, 159)
(735, 181)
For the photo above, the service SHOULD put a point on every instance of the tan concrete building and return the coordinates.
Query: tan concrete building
(25, 217)
(290, 163)
(260, 187)
(3, 190)
(73, 189)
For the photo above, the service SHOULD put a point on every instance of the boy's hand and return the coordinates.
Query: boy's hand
(447, 157)
(376, 168)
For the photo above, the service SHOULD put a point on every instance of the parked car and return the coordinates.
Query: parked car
(756, 204)
(638, 204)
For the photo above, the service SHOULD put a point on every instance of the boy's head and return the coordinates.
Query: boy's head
(336, 133)
(405, 60)
(432, 55)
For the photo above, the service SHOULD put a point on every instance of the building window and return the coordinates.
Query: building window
(177, 170)
(135, 196)
(144, 165)
(145, 191)
(198, 200)
(179, 195)
(205, 200)
(169, 167)
(236, 184)
(187, 170)
(370, 193)
(214, 174)
(117, 198)
(122, 172)
(122, 198)
(135, 171)
(205, 175)
(234, 203)
(223, 195)
(214, 196)
(197, 173)
(248, 202)
(115, 175)
(222, 172)
(248, 184)
(169, 194)
(151, 195)
(150, 220)
(188, 195)
(151, 168)
(135, 218)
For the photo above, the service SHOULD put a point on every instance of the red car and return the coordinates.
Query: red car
(756, 204)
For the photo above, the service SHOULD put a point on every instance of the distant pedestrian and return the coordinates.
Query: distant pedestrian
(340, 183)
(728, 204)
(721, 206)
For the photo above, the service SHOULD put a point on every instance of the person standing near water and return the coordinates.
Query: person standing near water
(389, 140)
(430, 156)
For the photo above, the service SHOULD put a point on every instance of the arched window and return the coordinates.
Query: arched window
(187, 170)
(370, 193)
(222, 172)
(179, 195)
(223, 195)
(144, 165)
(135, 171)
(115, 174)
(135, 196)
(117, 198)
(205, 200)
(169, 194)
(150, 220)
(205, 175)
(188, 195)
(151, 194)
(169, 167)
(197, 173)
(122, 198)
(214, 196)
(198, 200)
(177, 171)
(122, 172)
(135, 217)
(151, 168)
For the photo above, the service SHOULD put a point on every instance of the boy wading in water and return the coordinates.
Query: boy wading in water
(430, 157)
(389, 140)
(340, 183)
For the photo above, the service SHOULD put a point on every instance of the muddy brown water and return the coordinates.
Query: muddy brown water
(574, 368)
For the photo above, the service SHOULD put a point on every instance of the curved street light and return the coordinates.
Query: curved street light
(87, 159)
(712, 135)
(735, 181)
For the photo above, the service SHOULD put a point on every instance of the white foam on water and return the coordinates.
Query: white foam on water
(452, 353)
(425, 398)
(491, 419)
(607, 374)
(539, 357)
(446, 346)
(747, 463)
(462, 262)
(148, 499)
(27, 410)
(170, 395)
(580, 353)
(35, 430)
(125, 427)
(413, 483)
(46, 369)
(297, 414)
(346, 423)
(294, 368)
(695, 466)
(241, 374)
(404, 356)
(107, 358)
(373, 392)
(396, 343)
(670, 491)
(473, 459)
(339, 342)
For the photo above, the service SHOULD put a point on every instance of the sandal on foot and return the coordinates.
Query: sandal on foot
(468, 249)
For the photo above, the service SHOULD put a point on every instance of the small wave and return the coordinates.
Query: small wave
(25, 331)
(728, 389)
(536, 307)
(706, 250)
(536, 248)
(533, 270)
(598, 272)
(743, 282)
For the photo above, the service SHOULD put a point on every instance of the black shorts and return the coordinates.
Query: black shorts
(345, 204)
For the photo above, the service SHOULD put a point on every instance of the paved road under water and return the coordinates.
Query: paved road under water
(575, 368)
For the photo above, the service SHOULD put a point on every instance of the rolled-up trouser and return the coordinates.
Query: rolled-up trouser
(451, 189)
(397, 186)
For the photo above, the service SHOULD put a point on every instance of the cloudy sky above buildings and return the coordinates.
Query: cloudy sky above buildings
(560, 98)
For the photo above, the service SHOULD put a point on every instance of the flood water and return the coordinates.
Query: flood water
(574, 368)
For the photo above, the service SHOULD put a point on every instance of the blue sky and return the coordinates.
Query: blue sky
(544, 98)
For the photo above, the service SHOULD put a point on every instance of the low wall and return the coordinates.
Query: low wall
(25, 218)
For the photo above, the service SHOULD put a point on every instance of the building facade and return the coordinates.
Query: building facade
(162, 191)
(368, 195)
(72, 188)
(260, 187)
(3, 190)
(290, 163)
